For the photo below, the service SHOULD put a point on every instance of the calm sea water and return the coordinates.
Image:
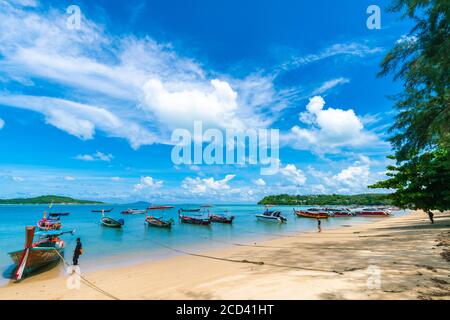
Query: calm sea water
(136, 242)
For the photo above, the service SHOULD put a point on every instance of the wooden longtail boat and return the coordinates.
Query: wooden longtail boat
(112, 223)
(47, 250)
(160, 207)
(339, 212)
(134, 211)
(49, 223)
(189, 210)
(271, 216)
(103, 210)
(193, 220)
(159, 222)
(368, 212)
(311, 214)
(220, 218)
(59, 214)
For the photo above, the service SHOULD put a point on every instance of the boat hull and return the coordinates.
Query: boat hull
(371, 214)
(219, 219)
(196, 221)
(305, 214)
(270, 218)
(37, 257)
(111, 223)
(159, 223)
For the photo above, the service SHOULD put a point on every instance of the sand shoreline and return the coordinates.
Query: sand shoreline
(391, 258)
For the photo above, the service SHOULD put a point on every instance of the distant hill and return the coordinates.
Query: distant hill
(332, 199)
(47, 200)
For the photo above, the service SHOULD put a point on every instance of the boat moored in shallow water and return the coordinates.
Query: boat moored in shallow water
(52, 223)
(133, 211)
(371, 212)
(47, 250)
(275, 216)
(193, 220)
(312, 213)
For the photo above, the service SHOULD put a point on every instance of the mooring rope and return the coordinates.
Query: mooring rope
(260, 263)
(87, 282)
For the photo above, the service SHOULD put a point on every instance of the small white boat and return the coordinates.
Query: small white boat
(271, 216)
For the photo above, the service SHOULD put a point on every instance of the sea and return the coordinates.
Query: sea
(136, 242)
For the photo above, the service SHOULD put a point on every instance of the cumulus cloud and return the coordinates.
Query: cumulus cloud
(69, 178)
(17, 179)
(292, 174)
(81, 120)
(131, 88)
(353, 178)
(260, 182)
(328, 129)
(198, 185)
(98, 156)
(148, 183)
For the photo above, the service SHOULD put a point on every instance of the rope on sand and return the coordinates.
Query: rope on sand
(87, 282)
(244, 260)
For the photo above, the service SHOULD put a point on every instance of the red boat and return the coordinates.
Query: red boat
(159, 207)
(311, 213)
(368, 212)
(339, 212)
(49, 223)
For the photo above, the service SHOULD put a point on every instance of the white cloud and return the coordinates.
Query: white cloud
(116, 179)
(329, 129)
(98, 156)
(18, 179)
(130, 88)
(260, 182)
(328, 85)
(292, 174)
(349, 49)
(69, 178)
(2, 123)
(199, 185)
(81, 120)
(148, 183)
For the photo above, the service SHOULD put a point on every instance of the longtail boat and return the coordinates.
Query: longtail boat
(189, 210)
(275, 216)
(49, 223)
(311, 213)
(110, 222)
(59, 214)
(369, 212)
(339, 212)
(220, 218)
(159, 222)
(47, 250)
(134, 211)
(160, 207)
(102, 210)
(193, 220)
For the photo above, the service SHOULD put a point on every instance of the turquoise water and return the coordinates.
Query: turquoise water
(137, 242)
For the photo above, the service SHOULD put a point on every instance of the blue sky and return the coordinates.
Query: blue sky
(88, 112)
